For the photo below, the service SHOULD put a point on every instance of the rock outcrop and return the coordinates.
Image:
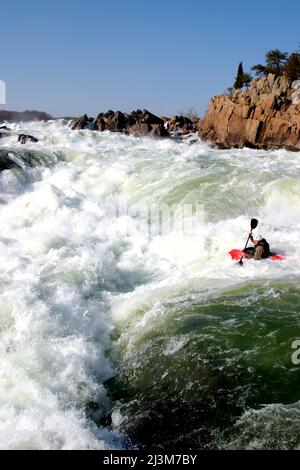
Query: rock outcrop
(139, 123)
(83, 122)
(24, 138)
(266, 115)
(182, 125)
(112, 121)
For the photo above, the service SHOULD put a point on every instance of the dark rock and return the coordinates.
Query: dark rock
(24, 138)
(84, 122)
(145, 123)
(146, 116)
(139, 129)
(182, 125)
(112, 121)
(159, 130)
(140, 122)
(143, 129)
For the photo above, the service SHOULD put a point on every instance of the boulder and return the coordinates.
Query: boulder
(139, 123)
(267, 115)
(83, 122)
(146, 116)
(145, 123)
(182, 125)
(24, 138)
(112, 121)
(143, 129)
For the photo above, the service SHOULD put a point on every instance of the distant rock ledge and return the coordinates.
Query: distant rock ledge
(265, 116)
(23, 116)
(138, 123)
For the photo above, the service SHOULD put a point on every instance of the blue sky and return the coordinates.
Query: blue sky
(68, 57)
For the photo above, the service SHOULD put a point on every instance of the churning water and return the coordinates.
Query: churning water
(111, 338)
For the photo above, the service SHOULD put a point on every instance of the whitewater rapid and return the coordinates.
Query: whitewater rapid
(87, 296)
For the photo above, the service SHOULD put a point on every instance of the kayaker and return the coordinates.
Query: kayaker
(261, 248)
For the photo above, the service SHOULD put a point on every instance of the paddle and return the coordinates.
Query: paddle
(254, 224)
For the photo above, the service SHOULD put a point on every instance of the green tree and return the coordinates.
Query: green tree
(275, 63)
(247, 79)
(242, 79)
(238, 84)
(292, 67)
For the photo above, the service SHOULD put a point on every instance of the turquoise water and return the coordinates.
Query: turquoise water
(205, 361)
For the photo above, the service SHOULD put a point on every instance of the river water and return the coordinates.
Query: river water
(113, 336)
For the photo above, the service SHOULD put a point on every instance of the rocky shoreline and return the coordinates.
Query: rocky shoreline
(264, 116)
(138, 123)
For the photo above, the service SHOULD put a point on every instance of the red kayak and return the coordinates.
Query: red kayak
(238, 254)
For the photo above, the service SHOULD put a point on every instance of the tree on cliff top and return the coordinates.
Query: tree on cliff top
(239, 78)
(292, 67)
(242, 79)
(275, 63)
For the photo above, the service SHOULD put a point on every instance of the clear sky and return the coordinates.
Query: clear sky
(69, 57)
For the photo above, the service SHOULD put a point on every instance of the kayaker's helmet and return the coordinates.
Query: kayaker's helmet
(258, 238)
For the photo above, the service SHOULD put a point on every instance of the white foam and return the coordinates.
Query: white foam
(71, 270)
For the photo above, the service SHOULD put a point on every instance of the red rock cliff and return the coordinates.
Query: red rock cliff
(266, 115)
